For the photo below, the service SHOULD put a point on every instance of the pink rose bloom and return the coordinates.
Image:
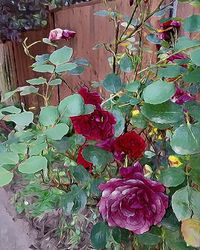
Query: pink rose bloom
(55, 34)
(58, 34)
(178, 56)
(133, 202)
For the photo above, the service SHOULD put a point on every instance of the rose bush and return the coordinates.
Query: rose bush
(77, 154)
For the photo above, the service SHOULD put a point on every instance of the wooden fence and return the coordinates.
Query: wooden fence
(90, 29)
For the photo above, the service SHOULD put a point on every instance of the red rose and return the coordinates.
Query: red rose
(98, 125)
(81, 160)
(130, 144)
(90, 97)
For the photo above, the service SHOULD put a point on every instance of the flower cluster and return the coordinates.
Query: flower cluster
(133, 202)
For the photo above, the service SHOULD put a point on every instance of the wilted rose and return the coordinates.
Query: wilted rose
(181, 96)
(134, 202)
(57, 34)
(98, 125)
(130, 144)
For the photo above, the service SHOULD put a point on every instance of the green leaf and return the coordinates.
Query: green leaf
(170, 71)
(132, 86)
(126, 64)
(139, 121)
(61, 55)
(27, 90)
(195, 172)
(37, 146)
(192, 76)
(72, 105)
(104, 13)
(158, 92)
(76, 71)
(80, 174)
(97, 156)
(37, 81)
(184, 43)
(74, 200)
(57, 132)
(193, 108)
(120, 124)
(8, 95)
(5, 177)
(112, 83)
(167, 112)
(94, 186)
(192, 23)
(9, 158)
(99, 235)
(195, 56)
(149, 239)
(19, 148)
(33, 165)
(22, 119)
(152, 38)
(65, 67)
(120, 235)
(186, 139)
(181, 204)
(172, 177)
(44, 68)
(55, 82)
(48, 41)
(48, 115)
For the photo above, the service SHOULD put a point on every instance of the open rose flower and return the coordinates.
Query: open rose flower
(81, 160)
(98, 125)
(181, 96)
(58, 34)
(90, 97)
(130, 144)
(166, 28)
(133, 202)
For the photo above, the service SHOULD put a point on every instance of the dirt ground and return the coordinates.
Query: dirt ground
(15, 234)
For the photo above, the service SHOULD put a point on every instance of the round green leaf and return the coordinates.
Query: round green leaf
(181, 204)
(5, 177)
(61, 55)
(192, 23)
(158, 92)
(72, 105)
(186, 139)
(112, 83)
(48, 115)
(9, 158)
(57, 132)
(126, 64)
(132, 86)
(37, 81)
(167, 112)
(170, 71)
(33, 164)
(195, 56)
(172, 177)
(99, 235)
(120, 124)
(192, 76)
(65, 67)
(193, 108)
(97, 156)
(44, 68)
(22, 119)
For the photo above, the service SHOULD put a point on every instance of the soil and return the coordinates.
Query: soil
(15, 233)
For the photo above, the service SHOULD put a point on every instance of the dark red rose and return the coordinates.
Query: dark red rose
(90, 97)
(133, 202)
(98, 125)
(130, 144)
(81, 160)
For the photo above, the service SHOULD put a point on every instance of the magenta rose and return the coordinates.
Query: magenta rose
(181, 97)
(133, 202)
(98, 125)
